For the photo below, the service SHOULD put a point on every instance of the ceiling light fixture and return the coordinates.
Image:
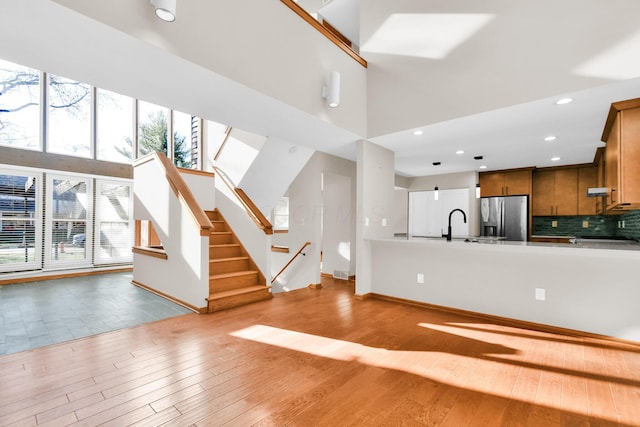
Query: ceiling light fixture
(483, 166)
(417, 132)
(550, 138)
(460, 152)
(436, 163)
(331, 92)
(555, 159)
(564, 101)
(165, 9)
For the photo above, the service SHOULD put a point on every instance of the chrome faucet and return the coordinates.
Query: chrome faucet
(464, 216)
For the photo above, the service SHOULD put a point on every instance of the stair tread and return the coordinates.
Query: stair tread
(221, 232)
(234, 274)
(234, 258)
(239, 291)
(224, 244)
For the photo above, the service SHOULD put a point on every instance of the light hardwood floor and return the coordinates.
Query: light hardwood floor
(323, 358)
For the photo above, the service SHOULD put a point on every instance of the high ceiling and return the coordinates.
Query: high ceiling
(481, 77)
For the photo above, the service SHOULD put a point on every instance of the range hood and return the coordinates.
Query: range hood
(597, 192)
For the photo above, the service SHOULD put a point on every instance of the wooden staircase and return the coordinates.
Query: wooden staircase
(234, 278)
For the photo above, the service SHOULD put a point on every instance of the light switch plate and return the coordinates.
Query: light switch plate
(420, 278)
(585, 224)
(384, 222)
(554, 224)
(540, 294)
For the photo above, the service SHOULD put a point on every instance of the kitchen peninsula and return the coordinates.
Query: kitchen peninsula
(585, 289)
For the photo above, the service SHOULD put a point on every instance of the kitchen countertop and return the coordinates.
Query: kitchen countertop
(617, 245)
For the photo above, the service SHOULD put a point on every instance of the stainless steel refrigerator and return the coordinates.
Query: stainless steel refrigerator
(505, 217)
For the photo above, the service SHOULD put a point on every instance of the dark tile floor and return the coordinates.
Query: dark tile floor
(40, 313)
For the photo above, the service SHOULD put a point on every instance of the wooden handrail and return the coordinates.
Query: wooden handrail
(252, 210)
(290, 261)
(225, 137)
(327, 33)
(180, 189)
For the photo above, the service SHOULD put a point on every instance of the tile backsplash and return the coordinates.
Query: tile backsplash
(599, 225)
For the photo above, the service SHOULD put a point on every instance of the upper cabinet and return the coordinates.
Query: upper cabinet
(563, 191)
(505, 183)
(622, 155)
(555, 192)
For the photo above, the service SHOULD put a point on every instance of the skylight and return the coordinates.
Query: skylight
(424, 35)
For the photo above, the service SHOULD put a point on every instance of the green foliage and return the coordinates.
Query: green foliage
(153, 136)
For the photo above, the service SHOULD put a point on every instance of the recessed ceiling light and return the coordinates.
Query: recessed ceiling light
(564, 101)
(436, 163)
(460, 152)
(550, 138)
(417, 132)
(478, 157)
(483, 167)
(555, 159)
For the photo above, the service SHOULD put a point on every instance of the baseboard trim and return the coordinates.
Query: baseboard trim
(506, 321)
(330, 276)
(315, 286)
(201, 310)
(363, 297)
(46, 276)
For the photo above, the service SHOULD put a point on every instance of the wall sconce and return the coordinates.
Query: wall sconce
(331, 92)
(165, 9)
(477, 191)
(435, 193)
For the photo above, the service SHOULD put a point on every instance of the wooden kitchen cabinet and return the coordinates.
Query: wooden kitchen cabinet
(587, 178)
(505, 183)
(622, 155)
(555, 192)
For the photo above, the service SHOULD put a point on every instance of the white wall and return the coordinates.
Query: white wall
(306, 199)
(273, 169)
(588, 290)
(337, 215)
(375, 197)
(400, 211)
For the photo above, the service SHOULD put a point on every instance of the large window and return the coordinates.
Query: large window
(114, 233)
(114, 127)
(182, 134)
(153, 128)
(69, 229)
(19, 106)
(20, 209)
(69, 117)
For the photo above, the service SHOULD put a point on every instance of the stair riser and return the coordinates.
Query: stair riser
(238, 300)
(229, 283)
(221, 267)
(219, 225)
(224, 252)
(219, 239)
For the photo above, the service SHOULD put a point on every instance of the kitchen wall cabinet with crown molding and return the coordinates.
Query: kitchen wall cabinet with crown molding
(622, 155)
(515, 182)
(563, 191)
(555, 192)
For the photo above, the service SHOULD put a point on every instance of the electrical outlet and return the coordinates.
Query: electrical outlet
(540, 294)
(554, 224)
(585, 224)
(623, 223)
(420, 278)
